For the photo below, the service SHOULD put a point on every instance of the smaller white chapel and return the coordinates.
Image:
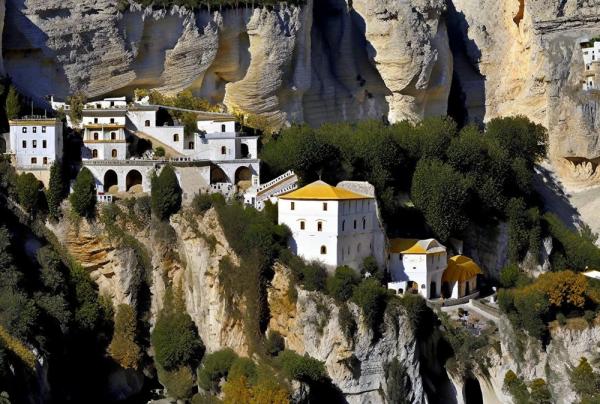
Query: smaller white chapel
(334, 225)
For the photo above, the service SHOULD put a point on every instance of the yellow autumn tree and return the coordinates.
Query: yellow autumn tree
(563, 288)
(237, 390)
(268, 391)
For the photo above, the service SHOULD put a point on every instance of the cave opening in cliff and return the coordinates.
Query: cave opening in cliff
(472, 391)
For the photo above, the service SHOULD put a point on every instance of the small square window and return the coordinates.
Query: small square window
(325, 206)
(293, 206)
(320, 226)
(24, 130)
(34, 144)
(24, 144)
(34, 160)
(34, 129)
(44, 144)
(43, 129)
(302, 225)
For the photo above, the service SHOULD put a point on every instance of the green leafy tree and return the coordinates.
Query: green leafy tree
(585, 381)
(77, 103)
(341, 285)
(123, 347)
(83, 197)
(302, 368)
(371, 297)
(57, 189)
(166, 193)
(13, 103)
(516, 387)
(274, 343)
(28, 191)
(441, 194)
(179, 382)
(175, 337)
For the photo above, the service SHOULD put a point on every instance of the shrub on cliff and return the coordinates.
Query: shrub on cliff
(123, 347)
(166, 193)
(83, 197)
(175, 337)
(516, 387)
(341, 285)
(179, 382)
(301, 368)
(28, 191)
(578, 252)
(13, 103)
(371, 297)
(214, 367)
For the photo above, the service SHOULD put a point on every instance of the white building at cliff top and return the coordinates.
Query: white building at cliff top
(34, 144)
(418, 265)
(332, 225)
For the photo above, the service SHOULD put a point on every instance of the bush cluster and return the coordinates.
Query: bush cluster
(454, 176)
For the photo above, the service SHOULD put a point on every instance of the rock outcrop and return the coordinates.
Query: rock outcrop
(356, 365)
(323, 61)
(524, 57)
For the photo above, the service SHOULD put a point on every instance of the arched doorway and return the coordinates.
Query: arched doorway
(446, 292)
(111, 182)
(432, 290)
(243, 177)
(133, 182)
(244, 150)
(217, 175)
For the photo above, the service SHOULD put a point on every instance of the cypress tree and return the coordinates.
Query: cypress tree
(56, 189)
(13, 104)
(83, 198)
(166, 193)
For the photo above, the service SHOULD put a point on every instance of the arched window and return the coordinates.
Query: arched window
(114, 153)
(223, 150)
(302, 225)
(354, 224)
(95, 135)
(223, 129)
(94, 153)
(176, 137)
(319, 226)
(147, 123)
(113, 136)
(364, 223)
(323, 250)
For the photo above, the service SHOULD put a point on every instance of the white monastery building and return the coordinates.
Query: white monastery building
(590, 50)
(333, 225)
(34, 144)
(213, 158)
(417, 266)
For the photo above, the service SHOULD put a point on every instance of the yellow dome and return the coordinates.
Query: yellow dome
(460, 269)
(322, 191)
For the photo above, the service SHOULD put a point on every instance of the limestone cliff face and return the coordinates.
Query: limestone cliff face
(530, 360)
(310, 325)
(524, 57)
(323, 61)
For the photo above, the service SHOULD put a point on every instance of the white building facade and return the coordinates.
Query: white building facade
(104, 135)
(329, 224)
(417, 266)
(591, 58)
(34, 144)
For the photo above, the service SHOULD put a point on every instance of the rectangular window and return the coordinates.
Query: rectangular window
(302, 225)
(325, 206)
(24, 144)
(34, 160)
(34, 129)
(320, 226)
(95, 120)
(112, 120)
(292, 206)
(34, 144)
(24, 130)
(44, 144)
(43, 129)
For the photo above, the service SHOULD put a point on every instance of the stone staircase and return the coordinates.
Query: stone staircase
(169, 151)
(284, 183)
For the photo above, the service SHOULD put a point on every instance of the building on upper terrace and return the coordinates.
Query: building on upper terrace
(460, 278)
(590, 50)
(214, 157)
(417, 266)
(34, 143)
(333, 225)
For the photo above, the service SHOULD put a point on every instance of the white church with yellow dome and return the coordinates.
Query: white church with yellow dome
(335, 225)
